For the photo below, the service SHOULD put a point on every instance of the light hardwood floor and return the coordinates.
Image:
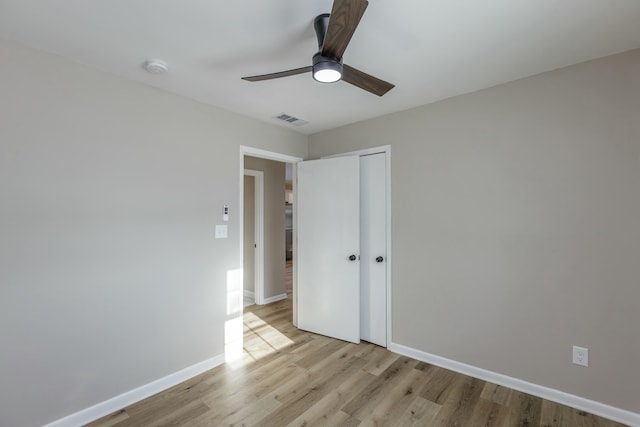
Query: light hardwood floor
(290, 377)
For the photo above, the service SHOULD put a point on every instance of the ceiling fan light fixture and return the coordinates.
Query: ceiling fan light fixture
(334, 31)
(326, 69)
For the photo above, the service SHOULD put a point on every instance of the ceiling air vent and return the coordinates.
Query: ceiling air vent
(291, 120)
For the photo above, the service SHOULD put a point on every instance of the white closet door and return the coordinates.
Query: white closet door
(329, 247)
(373, 263)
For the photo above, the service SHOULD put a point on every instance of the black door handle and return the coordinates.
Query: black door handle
(352, 257)
(379, 259)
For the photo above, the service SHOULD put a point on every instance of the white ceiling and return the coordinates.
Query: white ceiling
(430, 49)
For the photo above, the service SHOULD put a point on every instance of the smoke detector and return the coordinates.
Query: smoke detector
(156, 66)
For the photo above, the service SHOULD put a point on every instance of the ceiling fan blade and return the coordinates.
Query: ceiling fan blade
(344, 19)
(365, 81)
(278, 75)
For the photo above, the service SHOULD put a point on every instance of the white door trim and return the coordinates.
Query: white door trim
(386, 149)
(270, 155)
(258, 214)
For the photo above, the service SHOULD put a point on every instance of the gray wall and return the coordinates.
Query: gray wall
(274, 219)
(515, 226)
(248, 235)
(110, 276)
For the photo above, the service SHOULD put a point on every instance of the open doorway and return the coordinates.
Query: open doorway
(267, 188)
(253, 247)
(264, 231)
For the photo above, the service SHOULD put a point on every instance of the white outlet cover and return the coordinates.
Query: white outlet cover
(580, 356)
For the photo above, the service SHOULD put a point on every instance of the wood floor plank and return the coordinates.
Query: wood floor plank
(164, 404)
(554, 415)
(496, 393)
(248, 392)
(321, 354)
(365, 349)
(525, 409)
(339, 418)
(360, 406)
(228, 412)
(289, 376)
(423, 366)
(251, 414)
(397, 400)
(420, 412)
(173, 415)
(307, 349)
(491, 414)
(440, 385)
(470, 396)
(461, 401)
(179, 417)
(298, 401)
(323, 373)
(379, 360)
(325, 410)
(277, 379)
(236, 386)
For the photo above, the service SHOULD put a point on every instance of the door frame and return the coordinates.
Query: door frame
(279, 157)
(272, 155)
(386, 149)
(258, 215)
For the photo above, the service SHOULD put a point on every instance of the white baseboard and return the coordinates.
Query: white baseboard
(591, 406)
(249, 294)
(274, 298)
(125, 399)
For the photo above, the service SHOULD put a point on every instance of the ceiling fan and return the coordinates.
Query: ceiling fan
(334, 31)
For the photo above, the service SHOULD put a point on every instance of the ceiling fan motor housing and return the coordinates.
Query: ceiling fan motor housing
(320, 24)
(326, 69)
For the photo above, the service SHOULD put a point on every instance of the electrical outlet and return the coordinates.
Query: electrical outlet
(580, 356)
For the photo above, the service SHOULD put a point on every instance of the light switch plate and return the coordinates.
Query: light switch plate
(221, 232)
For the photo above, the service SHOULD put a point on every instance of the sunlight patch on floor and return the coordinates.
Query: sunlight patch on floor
(261, 340)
